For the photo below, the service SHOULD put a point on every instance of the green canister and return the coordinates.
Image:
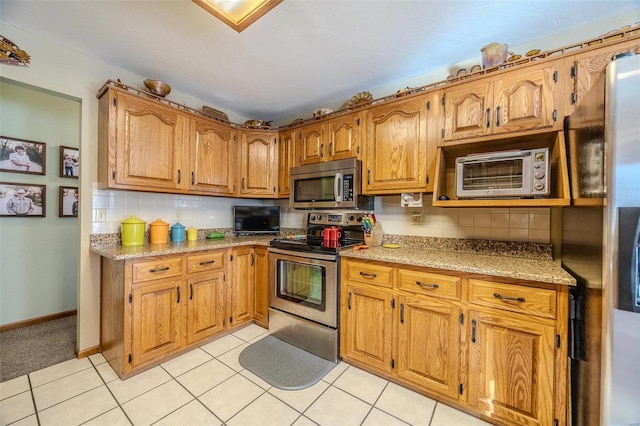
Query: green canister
(132, 231)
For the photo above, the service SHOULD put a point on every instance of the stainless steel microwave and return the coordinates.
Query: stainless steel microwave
(508, 174)
(334, 184)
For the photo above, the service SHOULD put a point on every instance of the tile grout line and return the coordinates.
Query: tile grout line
(33, 400)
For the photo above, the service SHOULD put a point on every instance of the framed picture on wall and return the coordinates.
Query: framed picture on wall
(21, 199)
(69, 198)
(22, 156)
(69, 162)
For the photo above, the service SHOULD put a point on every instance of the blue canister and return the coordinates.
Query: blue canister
(177, 232)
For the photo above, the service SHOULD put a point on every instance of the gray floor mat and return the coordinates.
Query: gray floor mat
(282, 365)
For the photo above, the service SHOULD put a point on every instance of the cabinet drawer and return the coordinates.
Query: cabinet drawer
(371, 274)
(205, 261)
(512, 297)
(158, 268)
(429, 284)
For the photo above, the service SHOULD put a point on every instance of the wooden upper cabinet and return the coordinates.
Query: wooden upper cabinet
(344, 135)
(147, 150)
(396, 147)
(286, 160)
(585, 68)
(312, 147)
(258, 161)
(335, 139)
(515, 101)
(211, 158)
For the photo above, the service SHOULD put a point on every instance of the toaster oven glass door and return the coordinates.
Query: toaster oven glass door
(498, 174)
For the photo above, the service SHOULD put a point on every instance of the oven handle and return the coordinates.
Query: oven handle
(306, 255)
(337, 185)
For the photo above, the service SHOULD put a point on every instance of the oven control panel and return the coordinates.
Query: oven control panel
(336, 219)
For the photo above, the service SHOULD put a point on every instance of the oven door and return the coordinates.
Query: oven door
(304, 284)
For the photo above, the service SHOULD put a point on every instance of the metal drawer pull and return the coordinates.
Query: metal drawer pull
(349, 300)
(367, 275)
(427, 285)
(501, 297)
(208, 262)
(178, 288)
(473, 331)
(153, 271)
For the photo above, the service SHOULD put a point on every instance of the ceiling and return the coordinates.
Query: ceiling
(301, 55)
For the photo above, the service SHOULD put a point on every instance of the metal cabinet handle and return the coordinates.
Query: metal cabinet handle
(488, 117)
(321, 150)
(349, 301)
(252, 259)
(208, 262)
(242, 183)
(427, 285)
(179, 176)
(515, 299)
(178, 288)
(367, 275)
(191, 291)
(155, 271)
(402, 313)
(498, 116)
(473, 331)
(193, 178)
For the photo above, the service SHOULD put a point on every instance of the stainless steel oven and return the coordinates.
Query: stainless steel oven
(304, 277)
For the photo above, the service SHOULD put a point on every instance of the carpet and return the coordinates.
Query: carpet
(282, 365)
(27, 349)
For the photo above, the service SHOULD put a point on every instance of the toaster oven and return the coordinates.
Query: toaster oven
(504, 174)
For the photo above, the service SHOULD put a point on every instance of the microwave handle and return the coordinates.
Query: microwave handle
(337, 185)
(493, 156)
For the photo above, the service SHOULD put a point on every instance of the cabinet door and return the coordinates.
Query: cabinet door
(312, 147)
(286, 160)
(429, 344)
(395, 157)
(211, 158)
(157, 317)
(468, 110)
(524, 100)
(367, 326)
(261, 287)
(511, 368)
(241, 294)
(258, 164)
(343, 135)
(149, 145)
(205, 308)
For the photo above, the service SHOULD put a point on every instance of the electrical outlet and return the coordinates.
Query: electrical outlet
(101, 215)
(178, 215)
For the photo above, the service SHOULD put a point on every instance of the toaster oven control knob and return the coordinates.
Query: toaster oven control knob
(538, 186)
(538, 175)
(351, 218)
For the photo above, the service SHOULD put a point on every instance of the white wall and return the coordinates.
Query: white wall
(38, 255)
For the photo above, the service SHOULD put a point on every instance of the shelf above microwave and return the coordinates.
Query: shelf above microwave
(444, 194)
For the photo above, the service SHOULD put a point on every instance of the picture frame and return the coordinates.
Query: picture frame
(69, 162)
(22, 156)
(13, 198)
(68, 201)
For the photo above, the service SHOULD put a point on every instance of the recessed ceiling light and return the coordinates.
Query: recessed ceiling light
(238, 14)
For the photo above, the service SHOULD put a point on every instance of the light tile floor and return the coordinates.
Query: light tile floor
(207, 386)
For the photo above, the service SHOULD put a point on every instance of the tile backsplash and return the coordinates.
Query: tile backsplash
(505, 224)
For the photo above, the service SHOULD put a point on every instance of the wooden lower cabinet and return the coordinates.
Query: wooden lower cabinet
(367, 325)
(501, 358)
(158, 306)
(261, 287)
(429, 344)
(511, 367)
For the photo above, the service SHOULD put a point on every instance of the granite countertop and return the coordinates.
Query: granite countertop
(119, 252)
(526, 268)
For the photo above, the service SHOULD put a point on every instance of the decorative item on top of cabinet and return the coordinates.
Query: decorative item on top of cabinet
(400, 142)
(258, 163)
(516, 101)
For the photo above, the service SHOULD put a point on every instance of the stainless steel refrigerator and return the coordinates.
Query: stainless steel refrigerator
(600, 246)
